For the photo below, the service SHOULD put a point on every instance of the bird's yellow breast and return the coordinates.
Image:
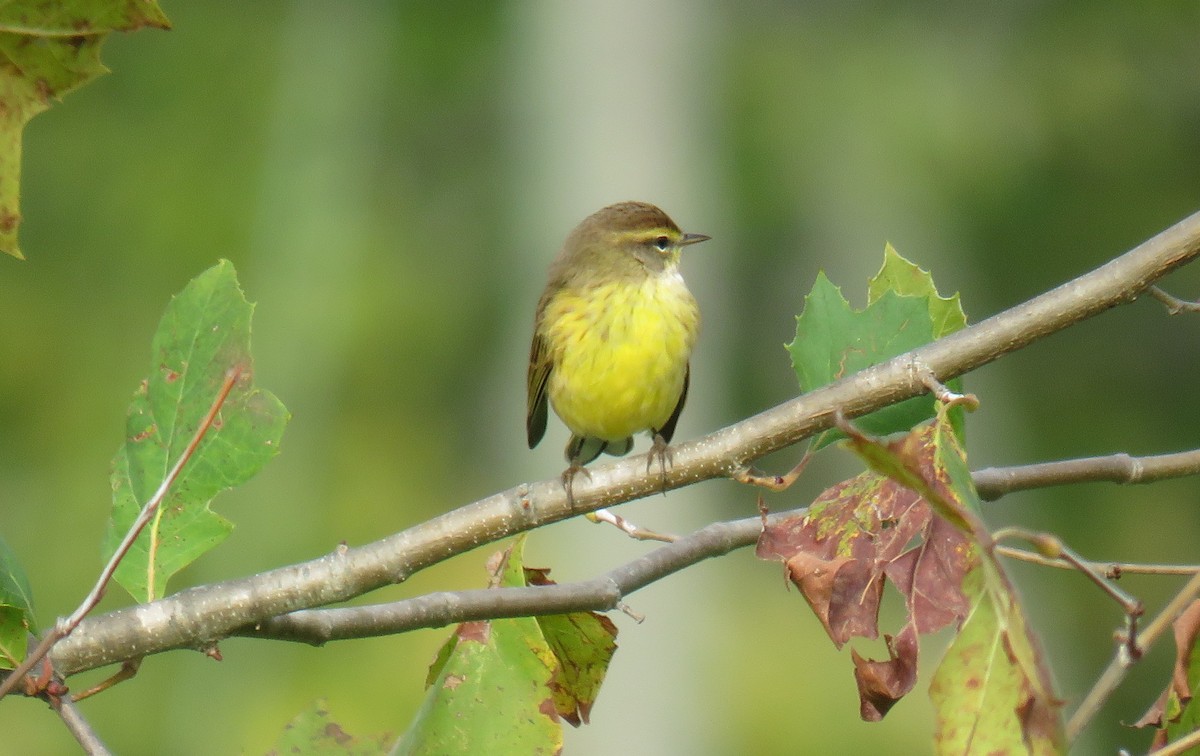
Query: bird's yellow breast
(619, 354)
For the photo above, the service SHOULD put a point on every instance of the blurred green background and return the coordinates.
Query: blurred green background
(392, 178)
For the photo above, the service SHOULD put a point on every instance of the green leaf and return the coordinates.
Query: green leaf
(584, 644)
(909, 280)
(504, 686)
(834, 340)
(990, 693)
(492, 693)
(204, 334)
(16, 609)
(47, 50)
(312, 731)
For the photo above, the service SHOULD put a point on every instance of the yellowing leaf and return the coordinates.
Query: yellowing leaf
(46, 50)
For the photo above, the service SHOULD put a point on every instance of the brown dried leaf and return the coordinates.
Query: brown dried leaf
(913, 520)
(882, 683)
(861, 531)
(838, 554)
(930, 576)
(1173, 702)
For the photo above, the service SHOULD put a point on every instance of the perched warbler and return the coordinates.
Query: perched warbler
(612, 336)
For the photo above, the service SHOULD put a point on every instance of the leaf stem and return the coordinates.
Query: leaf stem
(1123, 660)
(64, 626)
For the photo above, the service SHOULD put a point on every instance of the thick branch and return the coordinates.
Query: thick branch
(207, 613)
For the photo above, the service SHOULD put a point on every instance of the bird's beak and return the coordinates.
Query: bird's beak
(693, 239)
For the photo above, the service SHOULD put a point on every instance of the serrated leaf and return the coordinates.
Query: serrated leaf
(313, 731)
(48, 49)
(912, 519)
(492, 693)
(16, 609)
(503, 686)
(834, 340)
(909, 280)
(584, 644)
(867, 531)
(204, 334)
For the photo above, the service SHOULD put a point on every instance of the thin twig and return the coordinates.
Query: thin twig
(1174, 304)
(1181, 746)
(753, 477)
(79, 727)
(628, 528)
(1110, 570)
(1052, 547)
(128, 671)
(65, 626)
(942, 392)
(1123, 660)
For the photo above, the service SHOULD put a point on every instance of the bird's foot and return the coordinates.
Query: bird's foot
(666, 458)
(568, 478)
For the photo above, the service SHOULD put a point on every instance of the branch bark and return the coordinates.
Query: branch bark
(994, 482)
(602, 593)
(605, 592)
(201, 615)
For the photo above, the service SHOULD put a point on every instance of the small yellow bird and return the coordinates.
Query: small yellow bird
(612, 335)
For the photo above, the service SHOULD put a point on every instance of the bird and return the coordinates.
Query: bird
(613, 336)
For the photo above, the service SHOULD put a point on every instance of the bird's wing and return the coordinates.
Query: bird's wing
(539, 375)
(668, 428)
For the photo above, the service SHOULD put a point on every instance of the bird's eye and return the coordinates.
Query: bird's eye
(662, 243)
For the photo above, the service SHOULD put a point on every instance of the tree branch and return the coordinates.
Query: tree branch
(1123, 659)
(79, 727)
(605, 592)
(600, 594)
(200, 615)
(1110, 570)
(993, 482)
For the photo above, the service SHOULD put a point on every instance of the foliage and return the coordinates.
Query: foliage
(16, 609)
(503, 686)
(48, 50)
(904, 311)
(204, 334)
(912, 519)
(313, 731)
